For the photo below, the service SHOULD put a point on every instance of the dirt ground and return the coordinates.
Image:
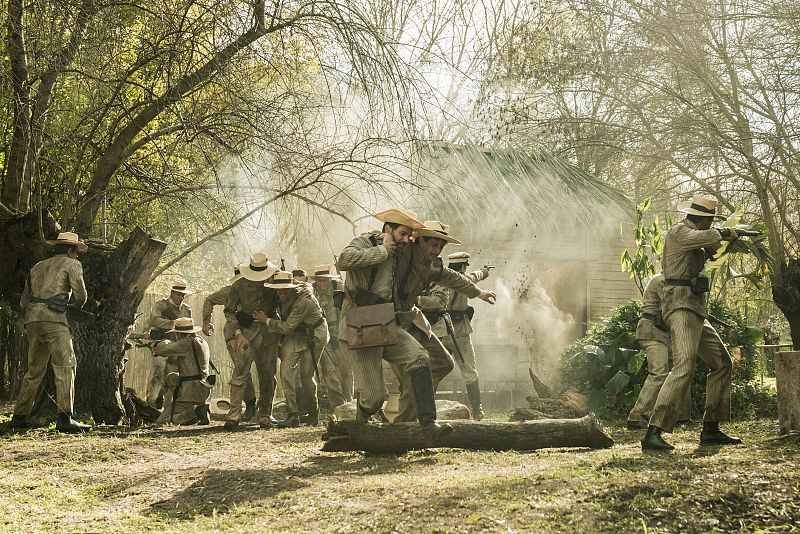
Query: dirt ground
(203, 479)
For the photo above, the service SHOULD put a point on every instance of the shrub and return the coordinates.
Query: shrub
(608, 366)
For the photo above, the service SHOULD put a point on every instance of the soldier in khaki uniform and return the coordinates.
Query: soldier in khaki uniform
(304, 334)
(652, 333)
(165, 311)
(334, 367)
(683, 307)
(53, 284)
(418, 272)
(220, 298)
(447, 305)
(190, 355)
(370, 261)
(252, 342)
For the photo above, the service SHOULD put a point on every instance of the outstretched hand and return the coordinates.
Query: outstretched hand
(488, 296)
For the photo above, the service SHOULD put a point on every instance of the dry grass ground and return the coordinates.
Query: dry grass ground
(203, 479)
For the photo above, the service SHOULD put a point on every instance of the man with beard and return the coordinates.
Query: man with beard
(371, 261)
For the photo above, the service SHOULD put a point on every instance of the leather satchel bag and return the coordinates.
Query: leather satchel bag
(371, 326)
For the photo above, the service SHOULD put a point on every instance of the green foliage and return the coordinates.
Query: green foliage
(649, 239)
(609, 367)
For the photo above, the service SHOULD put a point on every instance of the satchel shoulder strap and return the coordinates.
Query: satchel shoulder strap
(374, 272)
(194, 341)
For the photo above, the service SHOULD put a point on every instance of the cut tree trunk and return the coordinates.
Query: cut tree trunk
(787, 376)
(476, 435)
(116, 279)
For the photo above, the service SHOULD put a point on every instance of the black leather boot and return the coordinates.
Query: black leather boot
(68, 425)
(203, 412)
(422, 385)
(712, 435)
(653, 441)
(474, 395)
(249, 410)
(292, 421)
(19, 422)
(160, 402)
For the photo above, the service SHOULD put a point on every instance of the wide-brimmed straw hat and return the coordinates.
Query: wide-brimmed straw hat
(399, 216)
(282, 280)
(237, 274)
(258, 269)
(184, 325)
(324, 271)
(69, 238)
(436, 229)
(701, 206)
(180, 285)
(459, 257)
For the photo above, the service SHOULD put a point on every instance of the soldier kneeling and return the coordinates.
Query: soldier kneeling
(192, 383)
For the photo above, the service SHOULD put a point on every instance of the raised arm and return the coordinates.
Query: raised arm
(361, 253)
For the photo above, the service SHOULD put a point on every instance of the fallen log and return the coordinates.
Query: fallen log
(348, 435)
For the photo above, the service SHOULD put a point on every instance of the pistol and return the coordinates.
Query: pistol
(490, 267)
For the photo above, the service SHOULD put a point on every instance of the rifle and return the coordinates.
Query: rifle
(747, 233)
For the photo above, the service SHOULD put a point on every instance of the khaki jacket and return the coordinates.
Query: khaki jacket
(301, 314)
(163, 310)
(218, 298)
(646, 330)
(59, 276)
(684, 259)
(248, 296)
(180, 353)
(358, 259)
(450, 300)
(416, 276)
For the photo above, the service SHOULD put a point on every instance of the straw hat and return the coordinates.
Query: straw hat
(237, 274)
(700, 205)
(282, 280)
(184, 325)
(324, 271)
(259, 268)
(219, 405)
(436, 229)
(179, 285)
(399, 216)
(459, 257)
(69, 238)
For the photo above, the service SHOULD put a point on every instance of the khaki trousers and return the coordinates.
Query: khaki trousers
(693, 336)
(469, 372)
(344, 371)
(658, 366)
(406, 355)
(249, 389)
(331, 378)
(441, 365)
(261, 349)
(48, 342)
(297, 368)
(190, 395)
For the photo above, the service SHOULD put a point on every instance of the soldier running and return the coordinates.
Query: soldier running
(220, 298)
(451, 316)
(421, 270)
(304, 334)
